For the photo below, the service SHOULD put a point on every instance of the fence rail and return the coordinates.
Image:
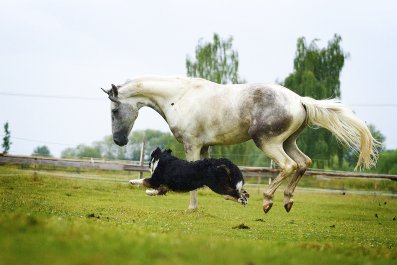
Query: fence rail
(119, 165)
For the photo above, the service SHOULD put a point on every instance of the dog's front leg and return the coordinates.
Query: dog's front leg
(162, 190)
(144, 182)
(237, 197)
(136, 181)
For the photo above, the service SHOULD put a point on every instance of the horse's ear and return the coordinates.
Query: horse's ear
(114, 99)
(115, 91)
(107, 92)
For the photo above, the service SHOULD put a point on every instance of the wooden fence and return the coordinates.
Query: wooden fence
(140, 167)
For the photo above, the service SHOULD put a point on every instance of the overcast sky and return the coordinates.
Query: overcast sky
(72, 48)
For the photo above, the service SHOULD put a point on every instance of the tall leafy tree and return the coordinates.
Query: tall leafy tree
(317, 74)
(217, 61)
(6, 139)
(350, 157)
(387, 162)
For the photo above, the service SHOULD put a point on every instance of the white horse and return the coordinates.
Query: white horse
(201, 113)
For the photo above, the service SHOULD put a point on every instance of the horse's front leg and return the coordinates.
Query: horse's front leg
(193, 153)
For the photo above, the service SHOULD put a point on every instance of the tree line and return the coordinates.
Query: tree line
(316, 73)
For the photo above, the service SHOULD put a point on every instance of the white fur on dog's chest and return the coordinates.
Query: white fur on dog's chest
(153, 165)
(239, 186)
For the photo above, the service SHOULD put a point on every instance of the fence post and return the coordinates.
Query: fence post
(35, 169)
(259, 183)
(141, 159)
(272, 166)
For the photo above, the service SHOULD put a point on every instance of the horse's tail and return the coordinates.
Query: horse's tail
(346, 126)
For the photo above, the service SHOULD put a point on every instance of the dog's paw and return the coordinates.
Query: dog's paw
(243, 200)
(245, 193)
(135, 181)
(132, 182)
(152, 192)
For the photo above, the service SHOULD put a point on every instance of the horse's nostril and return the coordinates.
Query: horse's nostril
(120, 141)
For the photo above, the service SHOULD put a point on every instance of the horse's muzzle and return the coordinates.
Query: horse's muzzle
(120, 140)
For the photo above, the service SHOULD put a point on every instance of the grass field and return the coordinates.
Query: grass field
(49, 219)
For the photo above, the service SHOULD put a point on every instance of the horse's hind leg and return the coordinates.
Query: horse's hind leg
(274, 149)
(303, 162)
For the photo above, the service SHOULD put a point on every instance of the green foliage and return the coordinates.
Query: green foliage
(218, 62)
(316, 71)
(154, 139)
(387, 162)
(57, 221)
(215, 61)
(81, 151)
(378, 136)
(241, 154)
(244, 154)
(316, 74)
(109, 150)
(41, 151)
(351, 159)
(6, 139)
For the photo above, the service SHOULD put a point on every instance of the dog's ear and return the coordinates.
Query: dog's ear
(157, 151)
(169, 151)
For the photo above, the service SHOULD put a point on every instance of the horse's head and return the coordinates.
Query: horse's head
(124, 115)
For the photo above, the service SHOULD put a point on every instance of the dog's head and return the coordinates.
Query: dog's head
(155, 158)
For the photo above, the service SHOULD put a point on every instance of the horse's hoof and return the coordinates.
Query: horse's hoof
(267, 207)
(288, 206)
(191, 210)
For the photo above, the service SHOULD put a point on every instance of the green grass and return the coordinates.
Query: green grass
(53, 220)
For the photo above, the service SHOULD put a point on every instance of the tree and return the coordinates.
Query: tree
(218, 62)
(215, 61)
(387, 163)
(379, 137)
(6, 139)
(351, 158)
(42, 151)
(152, 139)
(316, 74)
(68, 153)
(82, 151)
(107, 149)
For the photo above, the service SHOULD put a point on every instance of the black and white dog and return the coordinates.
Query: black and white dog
(171, 173)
